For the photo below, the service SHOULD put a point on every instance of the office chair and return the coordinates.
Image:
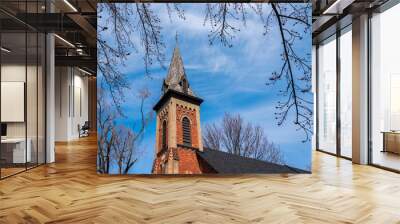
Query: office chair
(84, 130)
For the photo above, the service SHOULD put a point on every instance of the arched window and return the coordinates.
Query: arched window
(164, 135)
(187, 137)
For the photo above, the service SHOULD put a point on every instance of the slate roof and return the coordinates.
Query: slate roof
(176, 74)
(228, 163)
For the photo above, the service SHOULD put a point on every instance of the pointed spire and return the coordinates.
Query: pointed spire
(176, 78)
(176, 70)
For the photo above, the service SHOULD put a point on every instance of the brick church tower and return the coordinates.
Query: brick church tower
(178, 134)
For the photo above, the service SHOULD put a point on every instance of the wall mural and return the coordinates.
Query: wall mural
(218, 88)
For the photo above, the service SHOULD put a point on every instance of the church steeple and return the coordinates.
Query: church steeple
(176, 77)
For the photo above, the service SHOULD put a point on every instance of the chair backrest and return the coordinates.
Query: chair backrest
(86, 125)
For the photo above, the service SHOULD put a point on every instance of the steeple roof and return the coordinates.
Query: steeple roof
(176, 84)
(176, 78)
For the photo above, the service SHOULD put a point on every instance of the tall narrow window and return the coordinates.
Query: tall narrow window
(327, 95)
(164, 135)
(345, 82)
(186, 132)
(185, 86)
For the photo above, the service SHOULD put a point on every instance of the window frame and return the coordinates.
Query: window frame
(335, 37)
(186, 132)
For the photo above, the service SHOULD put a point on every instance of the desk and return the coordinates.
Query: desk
(391, 141)
(13, 150)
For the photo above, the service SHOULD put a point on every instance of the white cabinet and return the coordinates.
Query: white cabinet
(19, 155)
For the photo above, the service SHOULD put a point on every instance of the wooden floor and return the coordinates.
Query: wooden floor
(5, 172)
(70, 191)
(387, 159)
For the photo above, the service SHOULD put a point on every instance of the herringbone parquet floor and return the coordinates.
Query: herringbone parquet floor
(70, 191)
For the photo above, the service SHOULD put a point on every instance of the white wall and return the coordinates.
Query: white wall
(81, 114)
(71, 94)
(62, 82)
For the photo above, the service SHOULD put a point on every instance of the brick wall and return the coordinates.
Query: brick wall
(156, 166)
(188, 163)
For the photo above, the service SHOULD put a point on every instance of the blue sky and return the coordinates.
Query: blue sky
(228, 79)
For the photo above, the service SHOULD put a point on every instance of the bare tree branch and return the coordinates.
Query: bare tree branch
(218, 16)
(295, 88)
(295, 72)
(117, 144)
(238, 137)
(212, 137)
(116, 42)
